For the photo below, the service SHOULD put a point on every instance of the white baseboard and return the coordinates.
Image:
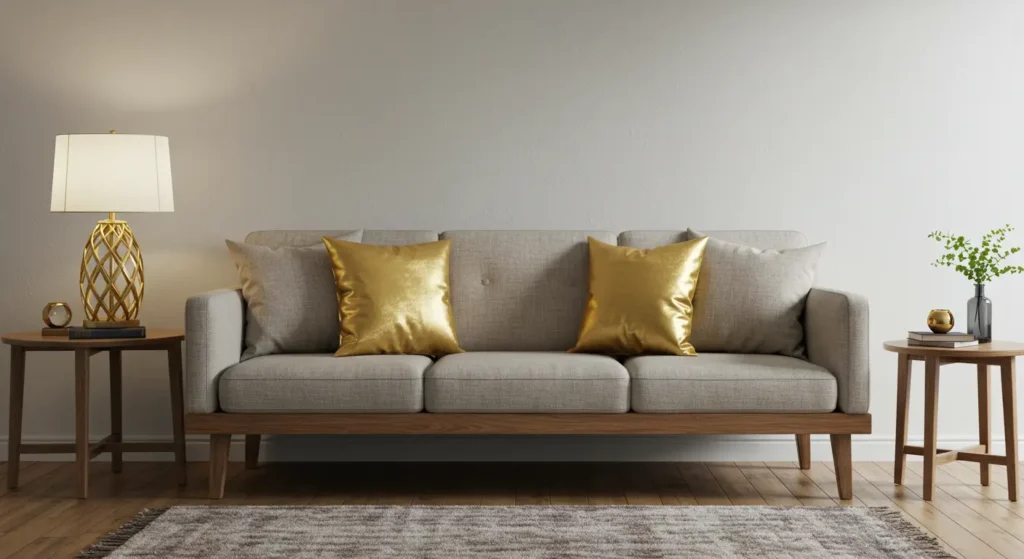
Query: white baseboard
(438, 448)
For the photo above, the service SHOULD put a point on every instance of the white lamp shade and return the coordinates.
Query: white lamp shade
(111, 173)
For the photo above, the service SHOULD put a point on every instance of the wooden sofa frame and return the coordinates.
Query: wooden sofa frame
(221, 426)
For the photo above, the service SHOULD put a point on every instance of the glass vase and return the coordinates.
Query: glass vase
(979, 315)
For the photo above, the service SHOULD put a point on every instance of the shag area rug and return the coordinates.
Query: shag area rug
(526, 531)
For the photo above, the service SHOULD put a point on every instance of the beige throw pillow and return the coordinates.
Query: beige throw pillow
(750, 300)
(291, 306)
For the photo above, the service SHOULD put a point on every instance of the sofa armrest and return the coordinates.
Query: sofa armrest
(214, 336)
(836, 329)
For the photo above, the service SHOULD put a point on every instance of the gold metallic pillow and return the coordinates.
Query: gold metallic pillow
(393, 299)
(641, 300)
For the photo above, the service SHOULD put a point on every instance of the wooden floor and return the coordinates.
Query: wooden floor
(43, 519)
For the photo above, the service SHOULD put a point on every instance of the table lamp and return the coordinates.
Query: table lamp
(108, 173)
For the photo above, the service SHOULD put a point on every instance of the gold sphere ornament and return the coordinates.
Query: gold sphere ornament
(940, 321)
(57, 315)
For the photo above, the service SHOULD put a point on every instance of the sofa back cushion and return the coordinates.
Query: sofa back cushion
(290, 298)
(750, 300)
(752, 288)
(765, 240)
(519, 290)
(300, 238)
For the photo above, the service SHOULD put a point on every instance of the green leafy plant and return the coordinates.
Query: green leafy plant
(978, 263)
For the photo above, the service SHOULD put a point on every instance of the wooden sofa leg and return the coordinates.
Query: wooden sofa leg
(843, 461)
(803, 451)
(252, 451)
(220, 446)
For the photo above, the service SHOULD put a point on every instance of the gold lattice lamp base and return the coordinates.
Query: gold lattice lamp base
(111, 277)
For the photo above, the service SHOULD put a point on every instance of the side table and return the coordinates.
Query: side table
(999, 354)
(160, 340)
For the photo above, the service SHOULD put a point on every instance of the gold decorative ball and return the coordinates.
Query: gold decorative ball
(940, 321)
(57, 315)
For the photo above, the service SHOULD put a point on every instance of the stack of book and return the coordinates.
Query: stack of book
(948, 340)
(82, 333)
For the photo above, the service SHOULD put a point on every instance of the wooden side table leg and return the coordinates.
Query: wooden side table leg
(931, 420)
(1010, 423)
(82, 420)
(984, 419)
(14, 423)
(177, 409)
(116, 422)
(902, 416)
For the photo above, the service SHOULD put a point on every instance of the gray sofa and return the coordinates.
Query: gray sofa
(518, 299)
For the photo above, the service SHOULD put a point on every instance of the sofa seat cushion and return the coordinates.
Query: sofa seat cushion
(526, 382)
(725, 382)
(318, 383)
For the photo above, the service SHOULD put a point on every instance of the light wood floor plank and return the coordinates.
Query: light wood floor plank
(33, 528)
(962, 473)
(969, 519)
(997, 475)
(703, 485)
(825, 479)
(72, 545)
(41, 547)
(873, 497)
(773, 491)
(667, 482)
(943, 476)
(870, 496)
(31, 471)
(735, 485)
(639, 484)
(133, 494)
(801, 486)
(970, 483)
(993, 492)
(960, 539)
(1000, 516)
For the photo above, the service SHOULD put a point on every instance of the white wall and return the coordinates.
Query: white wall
(862, 123)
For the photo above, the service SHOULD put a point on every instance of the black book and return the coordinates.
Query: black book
(80, 333)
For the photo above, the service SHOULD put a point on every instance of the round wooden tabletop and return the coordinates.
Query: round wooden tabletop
(36, 340)
(993, 349)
